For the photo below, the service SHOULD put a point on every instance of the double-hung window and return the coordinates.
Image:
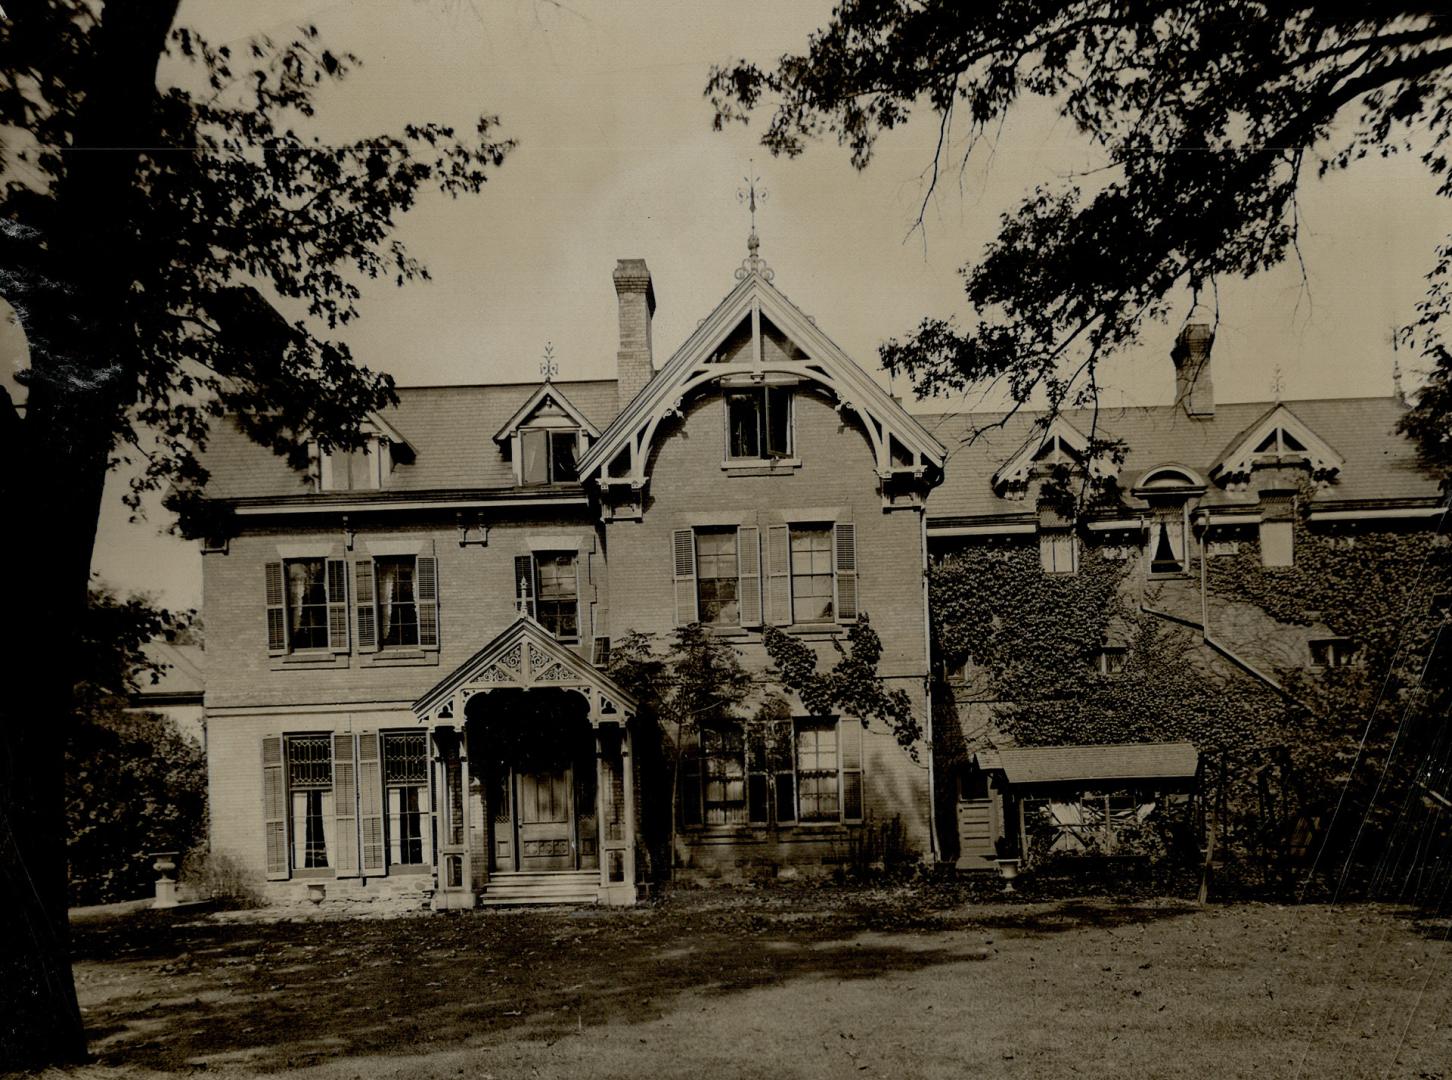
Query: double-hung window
(307, 605)
(405, 783)
(805, 771)
(547, 586)
(310, 790)
(397, 601)
(759, 424)
(812, 577)
(1168, 536)
(717, 577)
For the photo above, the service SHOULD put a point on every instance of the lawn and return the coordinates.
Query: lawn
(780, 982)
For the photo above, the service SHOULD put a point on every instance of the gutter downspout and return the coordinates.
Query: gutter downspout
(928, 683)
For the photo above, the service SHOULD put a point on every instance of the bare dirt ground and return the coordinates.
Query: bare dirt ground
(781, 982)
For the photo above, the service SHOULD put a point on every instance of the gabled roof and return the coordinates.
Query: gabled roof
(389, 432)
(1017, 471)
(547, 393)
(1292, 441)
(696, 363)
(1064, 764)
(181, 678)
(449, 427)
(1381, 464)
(525, 656)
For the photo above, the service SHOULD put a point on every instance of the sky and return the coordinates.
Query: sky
(617, 159)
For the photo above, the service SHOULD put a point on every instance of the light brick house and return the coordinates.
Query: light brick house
(405, 690)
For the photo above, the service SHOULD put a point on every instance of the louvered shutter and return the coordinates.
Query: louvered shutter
(370, 803)
(849, 743)
(345, 807)
(781, 759)
(337, 585)
(427, 586)
(276, 609)
(524, 585)
(690, 787)
(758, 793)
(582, 601)
(845, 571)
(748, 563)
(274, 807)
(364, 605)
(778, 575)
(683, 559)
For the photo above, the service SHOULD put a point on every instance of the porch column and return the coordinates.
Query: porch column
(602, 804)
(452, 773)
(627, 768)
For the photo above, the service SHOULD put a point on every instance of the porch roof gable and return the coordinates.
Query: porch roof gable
(525, 656)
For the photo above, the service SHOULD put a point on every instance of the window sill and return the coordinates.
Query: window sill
(763, 467)
(406, 870)
(308, 660)
(401, 658)
(314, 873)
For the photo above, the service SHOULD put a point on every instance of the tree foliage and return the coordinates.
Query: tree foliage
(1208, 115)
(134, 783)
(852, 687)
(174, 253)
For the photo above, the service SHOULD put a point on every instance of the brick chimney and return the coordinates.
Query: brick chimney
(1194, 388)
(637, 304)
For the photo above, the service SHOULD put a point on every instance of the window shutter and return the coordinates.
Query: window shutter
(748, 563)
(781, 758)
(683, 554)
(427, 586)
(778, 575)
(276, 609)
(582, 601)
(849, 743)
(367, 610)
(370, 803)
(600, 653)
(845, 566)
(345, 806)
(274, 807)
(337, 584)
(758, 798)
(691, 787)
(524, 585)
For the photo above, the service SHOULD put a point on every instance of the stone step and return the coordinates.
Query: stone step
(533, 900)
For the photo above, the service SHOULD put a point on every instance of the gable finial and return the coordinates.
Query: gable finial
(1398, 390)
(1278, 384)
(754, 263)
(549, 367)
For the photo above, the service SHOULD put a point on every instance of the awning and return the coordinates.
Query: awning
(1044, 765)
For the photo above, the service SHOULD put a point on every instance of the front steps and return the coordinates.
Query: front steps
(541, 887)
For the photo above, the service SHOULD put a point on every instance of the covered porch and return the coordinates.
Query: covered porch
(535, 776)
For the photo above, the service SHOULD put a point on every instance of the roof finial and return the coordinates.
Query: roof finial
(1278, 384)
(754, 264)
(549, 367)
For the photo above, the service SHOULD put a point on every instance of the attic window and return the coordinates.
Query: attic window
(547, 456)
(1332, 652)
(1111, 659)
(759, 424)
(360, 469)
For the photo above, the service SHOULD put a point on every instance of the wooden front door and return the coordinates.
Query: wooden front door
(546, 830)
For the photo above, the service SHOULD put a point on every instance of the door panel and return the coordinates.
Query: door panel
(545, 828)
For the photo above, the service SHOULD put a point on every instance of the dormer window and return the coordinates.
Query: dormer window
(547, 456)
(545, 438)
(1168, 489)
(361, 469)
(759, 424)
(1332, 652)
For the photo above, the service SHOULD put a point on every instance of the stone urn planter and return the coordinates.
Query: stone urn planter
(1008, 870)
(317, 892)
(164, 863)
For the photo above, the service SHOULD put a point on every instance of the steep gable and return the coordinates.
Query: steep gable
(756, 336)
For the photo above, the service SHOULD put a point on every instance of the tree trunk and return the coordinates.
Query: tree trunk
(83, 378)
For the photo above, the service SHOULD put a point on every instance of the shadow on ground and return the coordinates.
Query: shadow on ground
(176, 996)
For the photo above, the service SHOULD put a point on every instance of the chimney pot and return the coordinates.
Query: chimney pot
(636, 294)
